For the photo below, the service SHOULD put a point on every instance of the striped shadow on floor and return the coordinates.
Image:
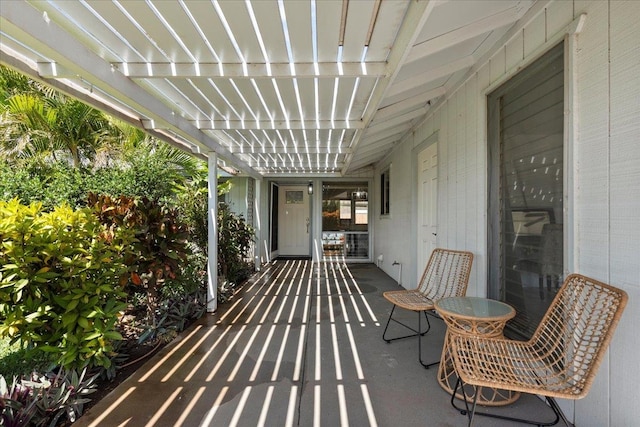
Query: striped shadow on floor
(282, 353)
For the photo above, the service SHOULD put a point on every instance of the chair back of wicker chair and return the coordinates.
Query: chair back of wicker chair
(573, 335)
(446, 274)
(562, 357)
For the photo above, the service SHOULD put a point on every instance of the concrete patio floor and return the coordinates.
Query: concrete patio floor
(300, 345)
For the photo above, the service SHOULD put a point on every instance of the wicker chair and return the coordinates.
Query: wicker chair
(561, 358)
(446, 275)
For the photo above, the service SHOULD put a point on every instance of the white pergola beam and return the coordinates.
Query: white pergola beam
(467, 32)
(253, 70)
(417, 14)
(413, 83)
(307, 175)
(398, 120)
(277, 125)
(299, 166)
(380, 135)
(23, 22)
(292, 150)
(407, 104)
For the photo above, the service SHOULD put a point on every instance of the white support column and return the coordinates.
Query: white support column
(212, 264)
(257, 222)
(316, 221)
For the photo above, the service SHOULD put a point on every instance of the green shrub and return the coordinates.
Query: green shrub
(235, 236)
(50, 184)
(193, 205)
(191, 278)
(18, 361)
(234, 242)
(147, 175)
(60, 283)
(159, 244)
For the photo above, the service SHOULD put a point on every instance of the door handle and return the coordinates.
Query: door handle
(435, 234)
(307, 225)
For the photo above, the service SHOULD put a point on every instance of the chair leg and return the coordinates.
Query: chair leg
(470, 413)
(416, 332)
(558, 411)
(419, 333)
(426, 365)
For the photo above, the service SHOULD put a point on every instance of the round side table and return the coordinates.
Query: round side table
(476, 317)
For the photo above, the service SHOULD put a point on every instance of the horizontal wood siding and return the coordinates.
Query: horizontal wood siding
(624, 205)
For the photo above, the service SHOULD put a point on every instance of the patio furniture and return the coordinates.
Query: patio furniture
(446, 275)
(559, 361)
(476, 317)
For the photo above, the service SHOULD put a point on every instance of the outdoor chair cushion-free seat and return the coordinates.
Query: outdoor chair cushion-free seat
(446, 275)
(562, 357)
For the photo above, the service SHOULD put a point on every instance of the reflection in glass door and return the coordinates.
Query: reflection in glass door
(525, 129)
(345, 220)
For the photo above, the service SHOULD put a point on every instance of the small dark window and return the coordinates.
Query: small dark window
(385, 185)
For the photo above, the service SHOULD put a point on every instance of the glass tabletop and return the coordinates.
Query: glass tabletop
(475, 307)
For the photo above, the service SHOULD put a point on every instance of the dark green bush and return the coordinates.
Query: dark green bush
(147, 175)
(193, 206)
(60, 282)
(159, 245)
(49, 184)
(234, 242)
(17, 360)
(235, 236)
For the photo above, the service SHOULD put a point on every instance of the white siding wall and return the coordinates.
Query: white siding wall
(391, 241)
(605, 192)
(237, 196)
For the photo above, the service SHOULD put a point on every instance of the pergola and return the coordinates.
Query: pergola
(268, 89)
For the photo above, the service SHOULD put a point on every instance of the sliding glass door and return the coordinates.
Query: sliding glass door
(525, 132)
(345, 220)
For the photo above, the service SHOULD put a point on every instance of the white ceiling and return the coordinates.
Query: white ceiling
(276, 88)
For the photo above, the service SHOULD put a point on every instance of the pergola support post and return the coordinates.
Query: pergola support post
(212, 204)
(257, 223)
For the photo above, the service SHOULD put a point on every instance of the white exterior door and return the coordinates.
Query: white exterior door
(427, 205)
(293, 221)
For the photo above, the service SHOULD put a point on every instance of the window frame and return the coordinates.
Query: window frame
(498, 193)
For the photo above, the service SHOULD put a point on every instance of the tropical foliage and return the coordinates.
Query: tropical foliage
(159, 242)
(52, 127)
(234, 242)
(61, 282)
(235, 236)
(103, 234)
(45, 400)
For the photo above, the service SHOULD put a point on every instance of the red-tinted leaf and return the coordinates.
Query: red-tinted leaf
(136, 279)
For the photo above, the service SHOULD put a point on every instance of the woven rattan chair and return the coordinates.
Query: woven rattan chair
(561, 358)
(446, 275)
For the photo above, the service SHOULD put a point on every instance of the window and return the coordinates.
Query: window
(294, 197)
(526, 168)
(345, 209)
(385, 187)
(362, 212)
